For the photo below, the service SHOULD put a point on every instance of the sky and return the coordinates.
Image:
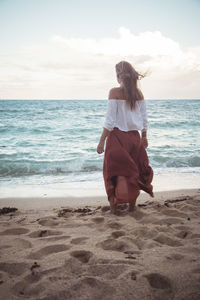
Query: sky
(64, 49)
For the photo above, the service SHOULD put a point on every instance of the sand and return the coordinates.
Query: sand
(51, 250)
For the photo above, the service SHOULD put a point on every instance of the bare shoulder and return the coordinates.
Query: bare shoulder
(114, 93)
(141, 96)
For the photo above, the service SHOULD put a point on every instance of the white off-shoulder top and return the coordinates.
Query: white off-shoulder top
(120, 115)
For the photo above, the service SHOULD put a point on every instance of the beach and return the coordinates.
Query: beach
(90, 110)
(72, 248)
(59, 240)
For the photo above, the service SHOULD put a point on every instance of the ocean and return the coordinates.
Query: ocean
(52, 144)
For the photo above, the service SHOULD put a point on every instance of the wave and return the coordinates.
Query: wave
(28, 168)
(176, 162)
(21, 168)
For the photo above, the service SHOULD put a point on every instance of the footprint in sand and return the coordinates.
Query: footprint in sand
(96, 288)
(114, 225)
(144, 232)
(138, 214)
(52, 249)
(98, 220)
(116, 234)
(44, 233)
(82, 255)
(79, 241)
(113, 244)
(158, 281)
(48, 221)
(23, 288)
(183, 234)
(152, 244)
(14, 231)
(148, 219)
(14, 268)
(164, 239)
(161, 286)
(140, 243)
(18, 243)
(74, 266)
(175, 256)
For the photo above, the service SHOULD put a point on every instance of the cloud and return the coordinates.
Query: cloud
(146, 46)
(72, 68)
(146, 43)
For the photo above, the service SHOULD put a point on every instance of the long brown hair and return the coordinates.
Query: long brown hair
(129, 77)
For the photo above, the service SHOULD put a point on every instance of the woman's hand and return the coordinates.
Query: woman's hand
(145, 142)
(100, 147)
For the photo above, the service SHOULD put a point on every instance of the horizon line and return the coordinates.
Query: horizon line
(157, 99)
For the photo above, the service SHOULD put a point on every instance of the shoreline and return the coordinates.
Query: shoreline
(76, 189)
(45, 203)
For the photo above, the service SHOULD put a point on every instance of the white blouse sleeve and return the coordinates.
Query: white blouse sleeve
(143, 112)
(111, 114)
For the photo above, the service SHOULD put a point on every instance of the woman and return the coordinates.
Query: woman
(126, 167)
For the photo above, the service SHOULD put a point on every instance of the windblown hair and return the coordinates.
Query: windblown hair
(129, 77)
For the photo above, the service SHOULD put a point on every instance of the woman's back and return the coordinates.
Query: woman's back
(120, 114)
(119, 93)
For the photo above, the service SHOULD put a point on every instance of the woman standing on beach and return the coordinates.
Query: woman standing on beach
(126, 167)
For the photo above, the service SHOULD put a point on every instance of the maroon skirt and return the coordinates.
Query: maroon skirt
(126, 167)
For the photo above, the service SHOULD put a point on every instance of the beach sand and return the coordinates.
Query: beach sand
(61, 249)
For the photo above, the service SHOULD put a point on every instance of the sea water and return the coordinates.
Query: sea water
(52, 144)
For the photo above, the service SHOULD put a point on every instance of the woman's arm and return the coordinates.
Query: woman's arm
(109, 120)
(100, 147)
(144, 138)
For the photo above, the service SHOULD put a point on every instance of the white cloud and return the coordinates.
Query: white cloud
(73, 68)
(146, 43)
